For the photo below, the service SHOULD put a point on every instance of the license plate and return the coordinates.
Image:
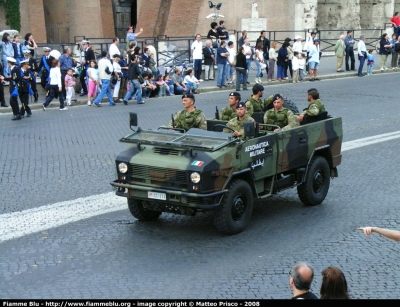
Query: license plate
(156, 195)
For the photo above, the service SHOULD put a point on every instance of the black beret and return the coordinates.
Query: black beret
(236, 94)
(277, 96)
(240, 104)
(312, 90)
(188, 96)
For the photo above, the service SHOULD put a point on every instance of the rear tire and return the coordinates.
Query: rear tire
(236, 208)
(315, 187)
(288, 104)
(140, 212)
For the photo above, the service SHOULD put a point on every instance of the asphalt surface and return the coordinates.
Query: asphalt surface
(67, 158)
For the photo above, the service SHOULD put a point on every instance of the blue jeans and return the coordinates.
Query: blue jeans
(178, 89)
(105, 90)
(221, 74)
(171, 89)
(241, 74)
(281, 72)
(134, 86)
(191, 86)
(360, 68)
(369, 69)
(258, 74)
(198, 68)
(229, 71)
(248, 64)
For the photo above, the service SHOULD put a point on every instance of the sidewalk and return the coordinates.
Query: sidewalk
(326, 70)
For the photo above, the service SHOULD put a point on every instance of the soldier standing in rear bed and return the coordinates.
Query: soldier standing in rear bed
(33, 70)
(229, 111)
(45, 65)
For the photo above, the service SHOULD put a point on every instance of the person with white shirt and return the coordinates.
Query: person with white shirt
(313, 61)
(307, 46)
(297, 45)
(55, 90)
(295, 67)
(247, 53)
(196, 50)
(114, 48)
(105, 71)
(229, 65)
(362, 54)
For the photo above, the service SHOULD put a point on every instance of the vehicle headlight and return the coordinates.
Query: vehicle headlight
(195, 177)
(122, 167)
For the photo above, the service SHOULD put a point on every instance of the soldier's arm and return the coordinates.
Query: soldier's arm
(292, 121)
(312, 110)
(202, 121)
(249, 107)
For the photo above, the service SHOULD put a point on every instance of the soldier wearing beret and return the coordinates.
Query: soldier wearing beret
(237, 123)
(280, 116)
(229, 112)
(190, 117)
(314, 107)
(254, 103)
(23, 79)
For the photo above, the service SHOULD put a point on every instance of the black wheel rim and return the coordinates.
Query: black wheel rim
(238, 207)
(318, 182)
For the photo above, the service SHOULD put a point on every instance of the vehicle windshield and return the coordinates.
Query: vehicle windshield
(196, 138)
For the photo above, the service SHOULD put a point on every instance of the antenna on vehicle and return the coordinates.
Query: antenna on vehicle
(133, 121)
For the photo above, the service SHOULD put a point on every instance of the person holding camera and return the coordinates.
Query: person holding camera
(105, 71)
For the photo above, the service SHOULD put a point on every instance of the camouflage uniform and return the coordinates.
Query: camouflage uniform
(314, 108)
(254, 105)
(237, 125)
(284, 118)
(268, 103)
(186, 120)
(227, 113)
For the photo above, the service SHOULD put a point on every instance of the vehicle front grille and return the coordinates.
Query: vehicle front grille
(175, 177)
(166, 151)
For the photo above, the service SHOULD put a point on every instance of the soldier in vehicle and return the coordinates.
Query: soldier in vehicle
(229, 112)
(190, 117)
(279, 115)
(314, 107)
(254, 103)
(237, 123)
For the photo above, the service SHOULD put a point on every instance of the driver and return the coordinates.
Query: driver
(190, 117)
(279, 115)
(238, 122)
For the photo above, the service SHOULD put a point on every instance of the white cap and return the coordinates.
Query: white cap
(297, 37)
(85, 41)
(26, 51)
(24, 62)
(11, 60)
(46, 48)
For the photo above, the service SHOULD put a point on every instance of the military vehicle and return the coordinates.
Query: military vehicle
(198, 170)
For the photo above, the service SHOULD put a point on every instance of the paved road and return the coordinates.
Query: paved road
(62, 163)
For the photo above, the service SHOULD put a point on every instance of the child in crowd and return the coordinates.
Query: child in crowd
(170, 85)
(295, 67)
(69, 85)
(302, 65)
(370, 62)
(191, 82)
(162, 86)
(93, 74)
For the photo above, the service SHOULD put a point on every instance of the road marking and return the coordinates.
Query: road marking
(18, 224)
(370, 140)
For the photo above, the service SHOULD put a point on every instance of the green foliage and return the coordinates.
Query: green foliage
(13, 16)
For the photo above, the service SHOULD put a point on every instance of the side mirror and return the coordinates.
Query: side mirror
(249, 129)
(133, 120)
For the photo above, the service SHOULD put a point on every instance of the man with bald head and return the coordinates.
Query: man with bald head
(340, 48)
(301, 278)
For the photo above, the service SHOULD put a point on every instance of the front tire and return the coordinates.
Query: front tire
(140, 212)
(315, 187)
(236, 208)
